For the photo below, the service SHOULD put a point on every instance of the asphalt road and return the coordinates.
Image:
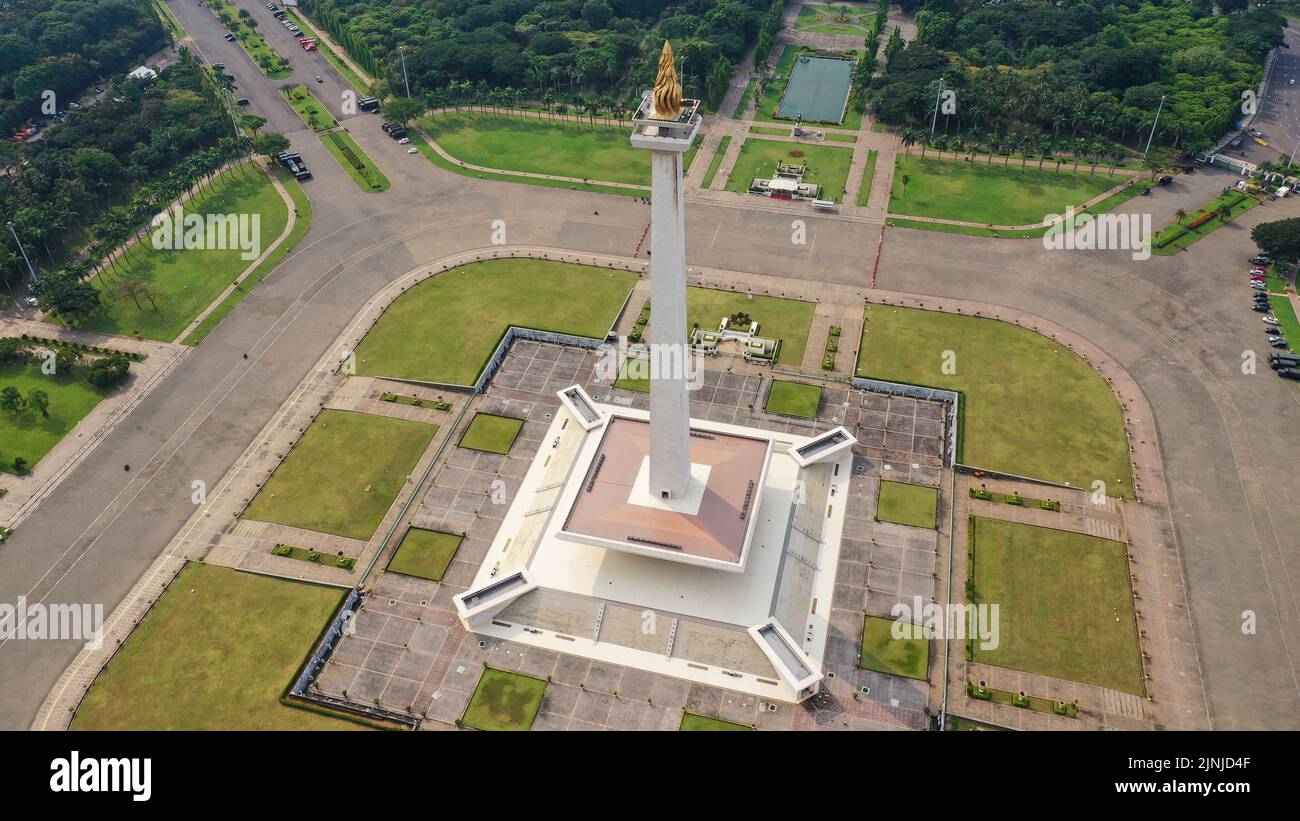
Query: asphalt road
(1179, 324)
(1279, 111)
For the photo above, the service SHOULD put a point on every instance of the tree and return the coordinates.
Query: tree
(905, 179)
(402, 109)
(39, 401)
(1180, 215)
(270, 144)
(11, 400)
(1280, 238)
(109, 371)
(73, 300)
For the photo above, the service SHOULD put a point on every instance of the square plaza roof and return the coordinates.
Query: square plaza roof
(712, 526)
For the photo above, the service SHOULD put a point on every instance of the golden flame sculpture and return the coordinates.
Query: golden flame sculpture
(668, 89)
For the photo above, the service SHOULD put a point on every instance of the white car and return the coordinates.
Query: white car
(31, 302)
(412, 150)
(404, 141)
(1269, 319)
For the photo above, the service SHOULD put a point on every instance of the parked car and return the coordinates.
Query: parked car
(320, 79)
(1289, 373)
(1260, 259)
(1277, 341)
(412, 150)
(1261, 307)
(31, 302)
(1269, 318)
(404, 141)
(1258, 286)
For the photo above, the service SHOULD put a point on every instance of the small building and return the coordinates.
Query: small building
(142, 73)
(786, 184)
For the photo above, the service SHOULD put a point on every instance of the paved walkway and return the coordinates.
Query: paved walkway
(25, 492)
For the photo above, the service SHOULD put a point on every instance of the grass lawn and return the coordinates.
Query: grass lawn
(31, 435)
(989, 195)
(828, 166)
(424, 553)
(343, 474)
(215, 653)
(1286, 320)
(825, 19)
(460, 315)
(1111, 202)
(504, 701)
(1029, 406)
(301, 207)
(1273, 280)
(716, 162)
(788, 320)
(542, 146)
(186, 281)
(363, 171)
(794, 399)
(493, 434)
(868, 176)
(767, 129)
(907, 504)
(422, 145)
(638, 380)
(1173, 238)
(696, 723)
(309, 109)
(843, 138)
(743, 104)
(906, 657)
(1065, 608)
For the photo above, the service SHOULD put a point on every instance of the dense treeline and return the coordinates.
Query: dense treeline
(64, 46)
(1029, 72)
(561, 49)
(98, 177)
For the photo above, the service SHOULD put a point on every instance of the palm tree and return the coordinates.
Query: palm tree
(1180, 215)
(905, 179)
(909, 138)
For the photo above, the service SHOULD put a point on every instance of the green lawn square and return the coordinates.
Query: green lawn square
(425, 553)
(344, 473)
(908, 657)
(504, 701)
(697, 723)
(460, 315)
(1029, 405)
(794, 399)
(214, 653)
(907, 504)
(494, 434)
(31, 435)
(1065, 605)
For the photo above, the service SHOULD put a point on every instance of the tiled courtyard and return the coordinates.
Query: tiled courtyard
(409, 653)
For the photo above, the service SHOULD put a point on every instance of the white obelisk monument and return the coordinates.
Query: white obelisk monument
(666, 125)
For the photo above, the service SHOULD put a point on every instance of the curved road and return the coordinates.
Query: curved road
(1178, 324)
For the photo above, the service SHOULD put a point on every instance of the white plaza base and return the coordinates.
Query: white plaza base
(759, 629)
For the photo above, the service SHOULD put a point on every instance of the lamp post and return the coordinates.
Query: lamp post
(935, 119)
(405, 79)
(30, 269)
(1153, 126)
